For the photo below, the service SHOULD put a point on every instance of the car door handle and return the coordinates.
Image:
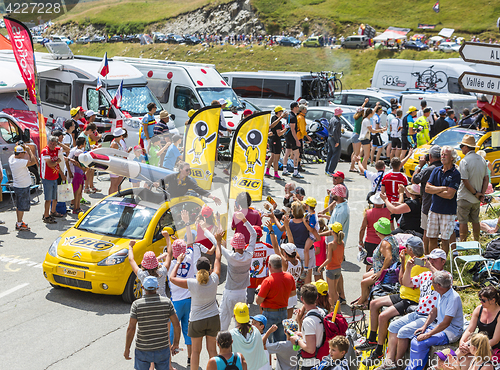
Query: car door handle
(5, 148)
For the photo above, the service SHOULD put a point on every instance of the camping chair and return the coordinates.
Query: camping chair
(467, 246)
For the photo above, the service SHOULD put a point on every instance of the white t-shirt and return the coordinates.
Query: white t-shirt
(364, 134)
(294, 270)
(187, 270)
(312, 326)
(20, 173)
(162, 279)
(374, 177)
(396, 123)
(68, 140)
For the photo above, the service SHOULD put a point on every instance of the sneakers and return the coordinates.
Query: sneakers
(373, 359)
(49, 220)
(268, 174)
(84, 202)
(226, 172)
(365, 345)
(286, 173)
(22, 227)
(387, 365)
(277, 177)
(297, 176)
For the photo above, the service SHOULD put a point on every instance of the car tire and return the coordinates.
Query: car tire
(56, 286)
(357, 46)
(133, 289)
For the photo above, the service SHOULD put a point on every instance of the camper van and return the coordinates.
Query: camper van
(396, 74)
(267, 89)
(182, 86)
(71, 81)
(438, 101)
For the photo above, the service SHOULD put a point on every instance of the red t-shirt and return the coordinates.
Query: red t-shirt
(391, 182)
(47, 172)
(253, 217)
(276, 289)
(372, 216)
(321, 256)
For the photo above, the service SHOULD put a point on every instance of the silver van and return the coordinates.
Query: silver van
(355, 42)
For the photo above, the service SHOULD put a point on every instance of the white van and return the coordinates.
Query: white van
(181, 86)
(438, 101)
(396, 74)
(267, 89)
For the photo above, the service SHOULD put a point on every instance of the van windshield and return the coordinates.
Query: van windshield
(135, 99)
(209, 94)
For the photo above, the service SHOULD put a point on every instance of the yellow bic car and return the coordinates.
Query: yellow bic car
(452, 137)
(93, 255)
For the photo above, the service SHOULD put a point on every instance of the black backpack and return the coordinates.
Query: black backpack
(231, 366)
(493, 250)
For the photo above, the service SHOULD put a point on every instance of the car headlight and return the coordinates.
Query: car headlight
(114, 259)
(53, 247)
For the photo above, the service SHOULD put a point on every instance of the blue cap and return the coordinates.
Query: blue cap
(442, 111)
(260, 318)
(150, 283)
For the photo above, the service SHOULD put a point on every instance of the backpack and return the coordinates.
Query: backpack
(231, 366)
(331, 330)
(493, 250)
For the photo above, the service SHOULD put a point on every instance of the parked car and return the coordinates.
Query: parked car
(175, 39)
(98, 38)
(115, 38)
(37, 39)
(314, 41)
(192, 40)
(57, 38)
(83, 40)
(159, 37)
(415, 45)
(448, 47)
(355, 42)
(130, 38)
(355, 98)
(289, 41)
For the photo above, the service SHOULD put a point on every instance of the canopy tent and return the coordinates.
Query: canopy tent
(436, 38)
(446, 32)
(390, 35)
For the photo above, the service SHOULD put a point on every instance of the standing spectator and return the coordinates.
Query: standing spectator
(89, 182)
(377, 144)
(440, 125)
(152, 342)
(374, 177)
(420, 176)
(19, 162)
(226, 356)
(161, 127)
(173, 153)
(301, 131)
(148, 125)
(396, 125)
(407, 130)
(364, 135)
(450, 118)
(356, 143)
(117, 143)
(443, 185)
(334, 132)
(475, 180)
(68, 138)
(156, 150)
(391, 181)
(422, 127)
(77, 172)
(292, 142)
(259, 269)
(51, 171)
(242, 204)
(275, 133)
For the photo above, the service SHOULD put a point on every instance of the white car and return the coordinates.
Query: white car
(37, 39)
(449, 47)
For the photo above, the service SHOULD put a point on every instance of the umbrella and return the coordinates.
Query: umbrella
(436, 38)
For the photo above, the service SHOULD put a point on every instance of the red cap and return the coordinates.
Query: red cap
(137, 147)
(258, 230)
(80, 109)
(247, 112)
(206, 211)
(339, 174)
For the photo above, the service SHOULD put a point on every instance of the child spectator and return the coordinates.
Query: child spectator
(78, 171)
(320, 250)
(336, 359)
(312, 225)
(139, 157)
(285, 354)
(260, 322)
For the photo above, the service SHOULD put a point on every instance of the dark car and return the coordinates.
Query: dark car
(289, 41)
(115, 38)
(192, 40)
(175, 39)
(415, 45)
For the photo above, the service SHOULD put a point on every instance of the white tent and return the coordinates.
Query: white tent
(446, 32)
(390, 35)
(436, 38)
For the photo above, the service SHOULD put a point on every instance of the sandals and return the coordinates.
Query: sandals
(362, 307)
(56, 214)
(89, 191)
(355, 171)
(353, 302)
(95, 190)
(49, 220)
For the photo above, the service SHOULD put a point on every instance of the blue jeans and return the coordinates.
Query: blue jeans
(419, 350)
(161, 358)
(182, 309)
(333, 156)
(275, 318)
(405, 326)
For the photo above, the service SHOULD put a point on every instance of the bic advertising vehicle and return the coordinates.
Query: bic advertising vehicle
(92, 256)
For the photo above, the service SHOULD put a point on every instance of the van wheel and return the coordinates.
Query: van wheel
(133, 289)
(357, 46)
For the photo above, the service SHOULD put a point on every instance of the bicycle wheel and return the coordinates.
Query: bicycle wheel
(338, 86)
(427, 79)
(441, 80)
(315, 88)
(323, 88)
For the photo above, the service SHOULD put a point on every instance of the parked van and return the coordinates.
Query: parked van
(438, 101)
(396, 74)
(267, 89)
(182, 86)
(355, 42)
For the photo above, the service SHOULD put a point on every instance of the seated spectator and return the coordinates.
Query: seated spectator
(409, 209)
(386, 254)
(336, 360)
(480, 349)
(490, 226)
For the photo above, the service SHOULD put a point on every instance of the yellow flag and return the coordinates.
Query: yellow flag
(249, 156)
(200, 144)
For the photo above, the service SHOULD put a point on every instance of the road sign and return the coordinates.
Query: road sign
(480, 83)
(476, 52)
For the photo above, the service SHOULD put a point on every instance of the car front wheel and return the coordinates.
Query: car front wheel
(133, 289)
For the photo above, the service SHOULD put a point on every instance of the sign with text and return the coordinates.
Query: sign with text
(476, 52)
(480, 83)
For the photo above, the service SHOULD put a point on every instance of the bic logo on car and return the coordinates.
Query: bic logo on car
(88, 243)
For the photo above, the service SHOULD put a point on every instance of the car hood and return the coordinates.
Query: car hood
(88, 247)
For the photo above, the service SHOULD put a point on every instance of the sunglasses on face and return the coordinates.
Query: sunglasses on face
(188, 170)
(484, 300)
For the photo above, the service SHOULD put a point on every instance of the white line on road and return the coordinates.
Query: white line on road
(12, 290)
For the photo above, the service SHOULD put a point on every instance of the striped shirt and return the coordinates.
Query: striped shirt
(152, 313)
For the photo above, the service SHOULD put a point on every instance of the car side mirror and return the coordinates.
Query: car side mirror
(343, 130)
(80, 215)
(103, 111)
(172, 116)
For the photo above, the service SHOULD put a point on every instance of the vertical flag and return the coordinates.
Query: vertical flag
(436, 7)
(117, 99)
(200, 144)
(99, 82)
(249, 156)
(104, 67)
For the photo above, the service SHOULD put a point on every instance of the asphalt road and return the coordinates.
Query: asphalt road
(46, 328)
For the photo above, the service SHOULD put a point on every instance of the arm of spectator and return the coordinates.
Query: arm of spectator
(432, 189)
(407, 274)
(420, 333)
(362, 230)
(471, 328)
(32, 158)
(405, 159)
(132, 324)
(217, 264)
(180, 282)
(131, 259)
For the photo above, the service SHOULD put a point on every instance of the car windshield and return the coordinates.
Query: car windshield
(453, 137)
(209, 94)
(349, 117)
(120, 218)
(135, 99)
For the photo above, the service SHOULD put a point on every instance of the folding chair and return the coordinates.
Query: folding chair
(468, 246)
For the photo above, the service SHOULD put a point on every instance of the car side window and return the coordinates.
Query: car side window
(355, 100)
(337, 99)
(9, 131)
(184, 98)
(172, 218)
(329, 115)
(314, 115)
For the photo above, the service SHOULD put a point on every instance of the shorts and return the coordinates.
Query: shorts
(78, 180)
(292, 301)
(405, 144)
(423, 221)
(355, 138)
(275, 145)
(312, 257)
(377, 141)
(291, 143)
(396, 143)
(365, 141)
(49, 189)
(200, 328)
(468, 212)
(22, 199)
(401, 305)
(370, 248)
(334, 274)
(440, 224)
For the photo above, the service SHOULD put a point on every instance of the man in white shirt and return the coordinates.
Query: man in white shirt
(374, 177)
(19, 162)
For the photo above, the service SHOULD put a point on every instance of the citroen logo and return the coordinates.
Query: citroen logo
(77, 254)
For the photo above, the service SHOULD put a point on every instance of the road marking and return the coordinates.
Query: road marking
(12, 290)
(12, 259)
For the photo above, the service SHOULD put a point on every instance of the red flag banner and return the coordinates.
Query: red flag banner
(22, 45)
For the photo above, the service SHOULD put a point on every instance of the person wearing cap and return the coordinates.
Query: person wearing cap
(118, 145)
(286, 355)
(474, 182)
(407, 130)
(397, 304)
(148, 125)
(151, 316)
(274, 296)
(173, 153)
(409, 207)
(246, 113)
(443, 184)
(421, 175)
(303, 102)
(19, 162)
(239, 261)
(402, 330)
(260, 322)
(422, 127)
(355, 140)
(333, 142)
(292, 142)
(77, 118)
(275, 132)
(247, 339)
(161, 127)
(338, 178)
(440, 124)
(156, 150)
(323, 300)
(432, 116)
(51, 171)
(90, 115)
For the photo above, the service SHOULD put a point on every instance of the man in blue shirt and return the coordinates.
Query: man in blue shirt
(173, 153)
(443, 185)
(451, 118)
(148, 125)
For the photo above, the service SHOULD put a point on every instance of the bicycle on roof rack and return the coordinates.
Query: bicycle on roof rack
(325, 84)
(430, 79)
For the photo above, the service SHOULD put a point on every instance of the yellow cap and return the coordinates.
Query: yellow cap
(278, 108)
(191, 112)
(336, 227)
(241, 313)
(321, 286)
(74, 111)
(412, 109)
(311, 202)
